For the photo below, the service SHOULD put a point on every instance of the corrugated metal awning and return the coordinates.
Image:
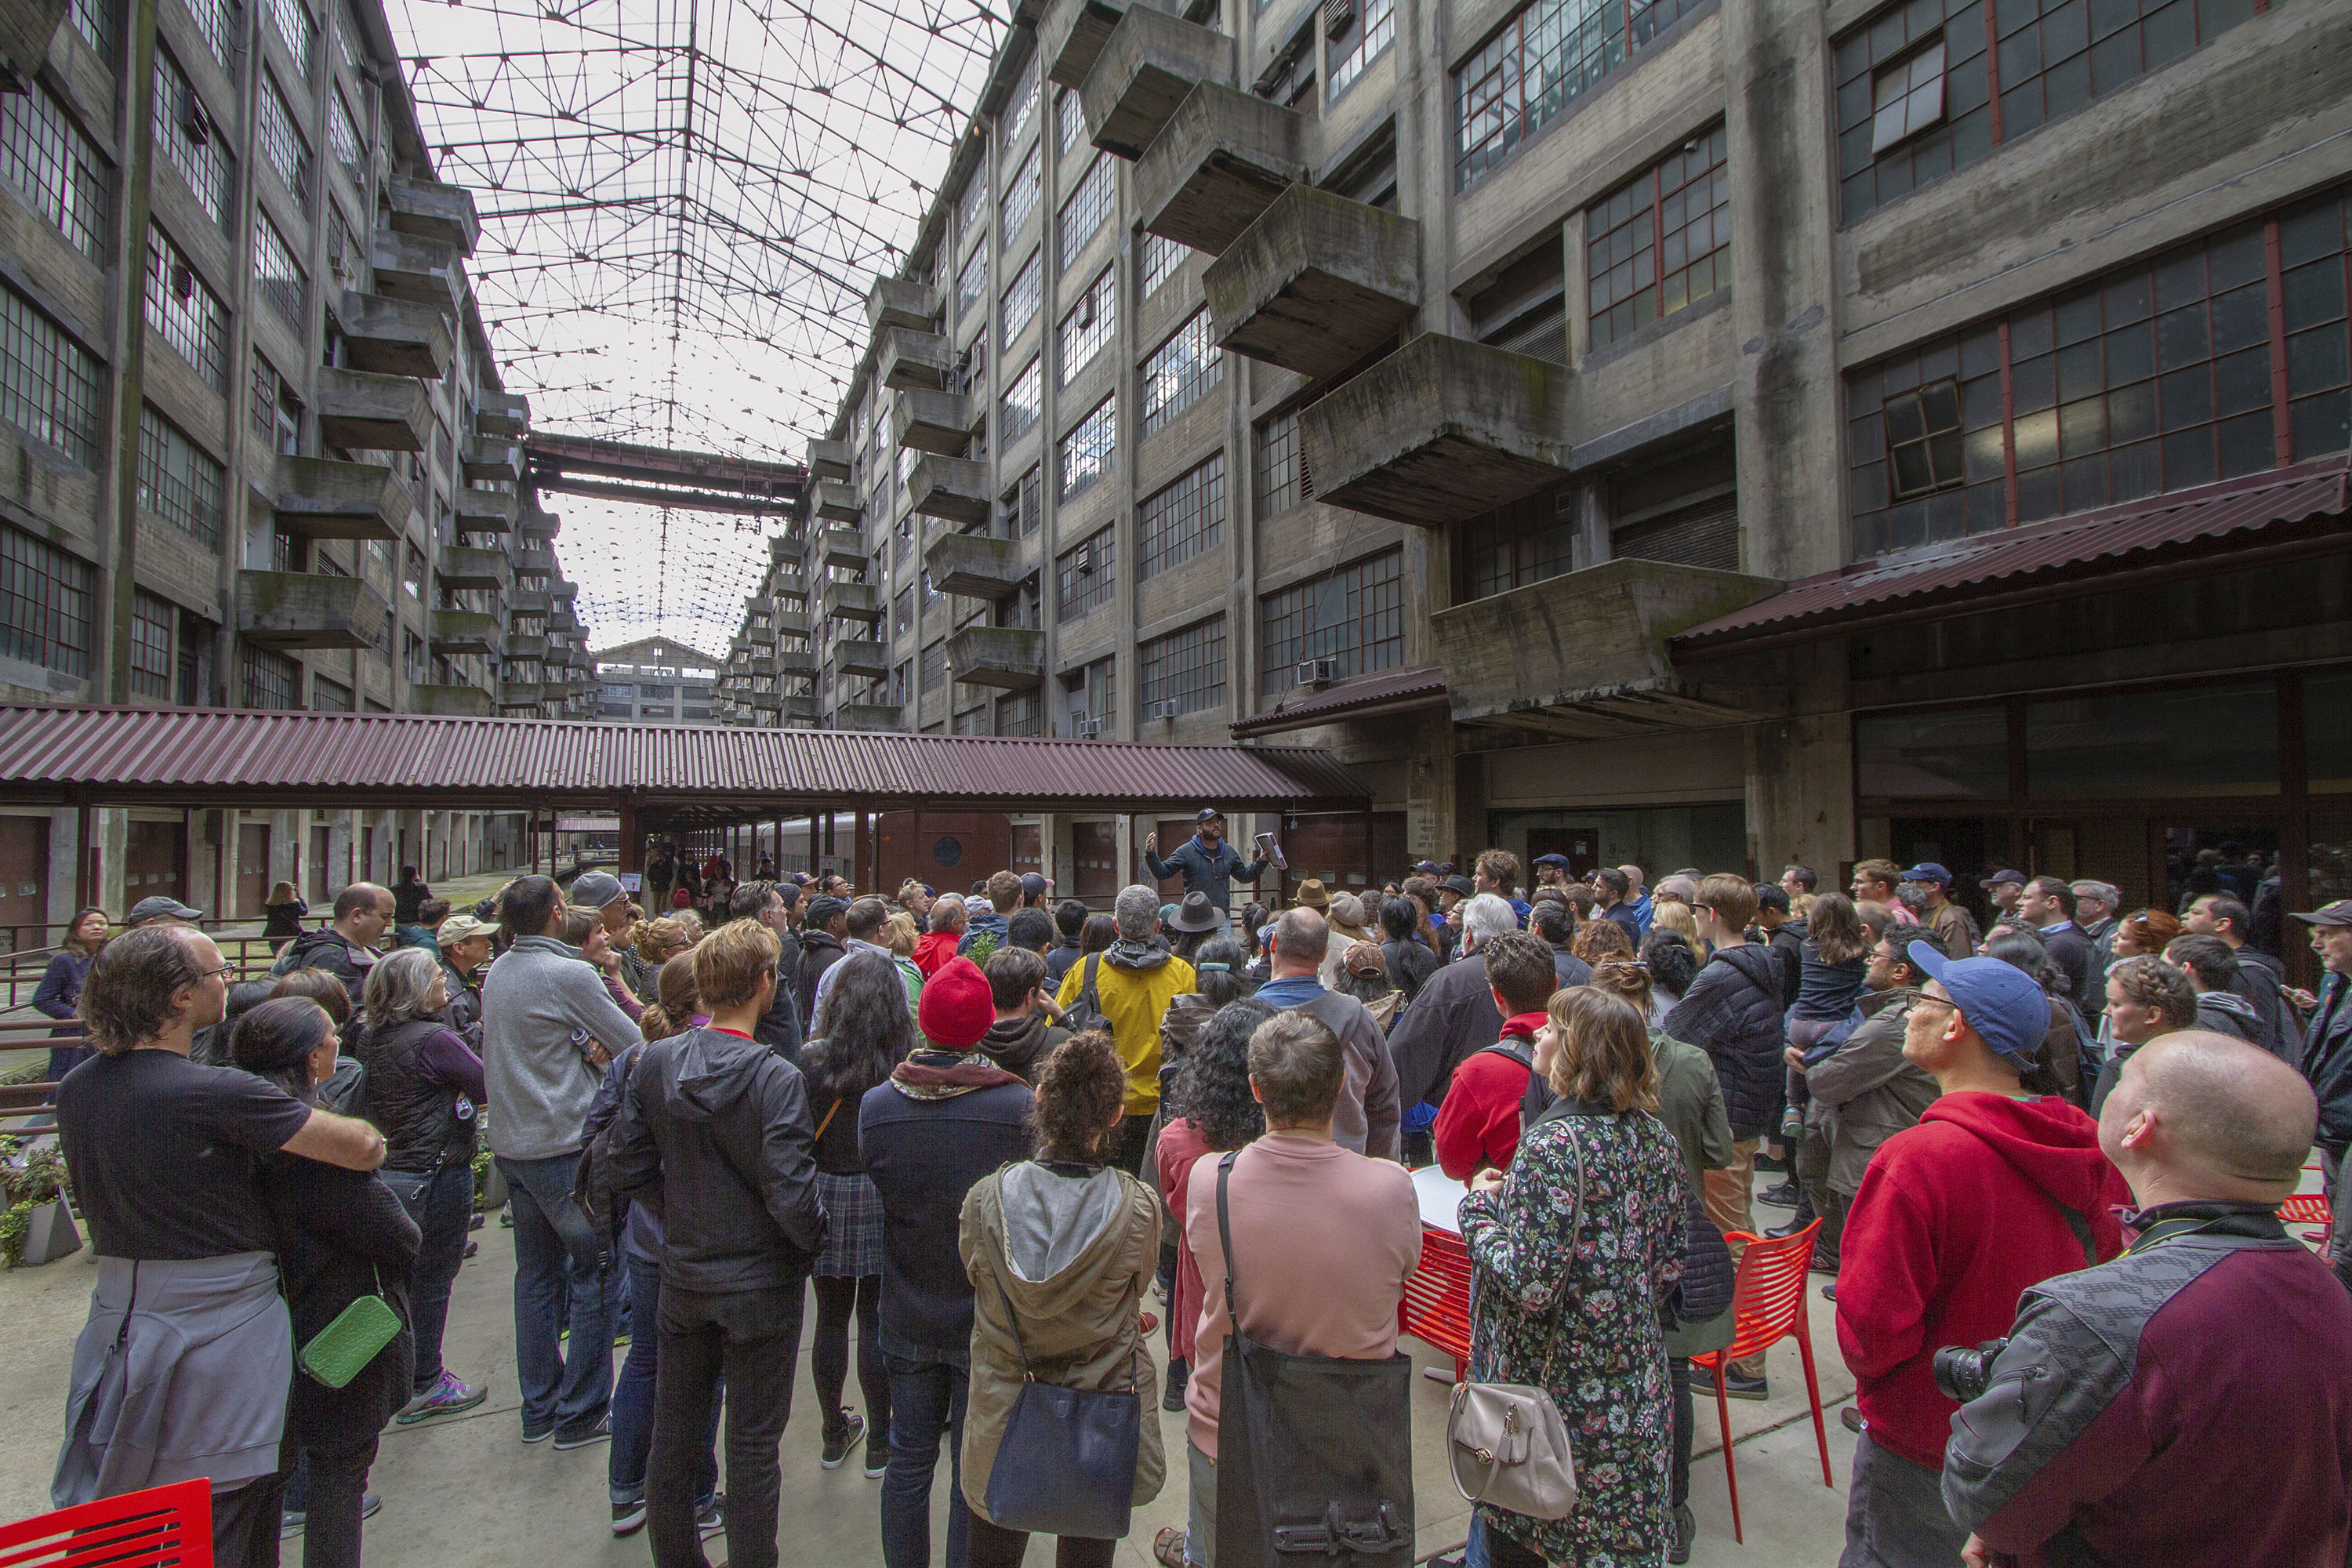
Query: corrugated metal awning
(2206, 524)
(1384, 691)
(222, 757)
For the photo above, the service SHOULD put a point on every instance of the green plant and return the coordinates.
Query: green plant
(481, 1177)
(27, 1182)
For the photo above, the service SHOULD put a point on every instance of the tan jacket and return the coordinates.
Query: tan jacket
(1084, 1252)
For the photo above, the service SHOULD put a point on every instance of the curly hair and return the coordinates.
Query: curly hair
(676, 1000)
(1604, 1055)
(1597, 941)
(1673, 960)
(1080, 1090)
(1212, 1090)
(133, 982)
(656, 940)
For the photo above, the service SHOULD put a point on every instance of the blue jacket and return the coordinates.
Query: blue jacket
(1204, 870)
(2328, 1062)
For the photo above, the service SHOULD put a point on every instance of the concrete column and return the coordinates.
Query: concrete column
(1801, 773)
(65, 866)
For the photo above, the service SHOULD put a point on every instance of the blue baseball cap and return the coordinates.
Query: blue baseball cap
(2000, 1002)
(1928, 871)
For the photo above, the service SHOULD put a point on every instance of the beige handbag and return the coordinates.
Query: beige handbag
(1505, 1442)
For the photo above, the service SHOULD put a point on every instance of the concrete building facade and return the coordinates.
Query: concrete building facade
(1654, 431)
(654, 680)
(258, 451)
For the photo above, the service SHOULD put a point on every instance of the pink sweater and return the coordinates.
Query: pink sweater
(1325, 1238)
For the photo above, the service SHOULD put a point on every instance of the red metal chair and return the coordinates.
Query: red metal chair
(1768, 1304)
(2308, 1209)
(1436, 1305)
(162, 1527)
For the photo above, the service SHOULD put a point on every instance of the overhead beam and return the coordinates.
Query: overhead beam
(650, 495)
(661, 465)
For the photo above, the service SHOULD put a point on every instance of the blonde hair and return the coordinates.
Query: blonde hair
(282, 893)
(1604, 1055)
(675, 1000)
(1676, 916)
(689, 922)
(898, 934)
(729, 962)
(656, 939)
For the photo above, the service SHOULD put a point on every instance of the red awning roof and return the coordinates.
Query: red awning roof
(2281, 505)
(212, 756)
(1384, 691)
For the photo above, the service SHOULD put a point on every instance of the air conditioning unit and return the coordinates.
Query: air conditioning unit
(1087, 729)
(1160, 710)
(194, 121)
(1317, 671)
(183, 282)
(1337, 15)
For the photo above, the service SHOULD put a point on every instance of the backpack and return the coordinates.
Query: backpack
(1084, 1011)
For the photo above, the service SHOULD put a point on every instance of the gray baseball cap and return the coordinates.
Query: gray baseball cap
(595, 890)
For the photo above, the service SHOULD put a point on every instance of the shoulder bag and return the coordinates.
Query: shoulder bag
(1065, 1464)
(342, 1351)
(1505, 1442)
(1084, 1011)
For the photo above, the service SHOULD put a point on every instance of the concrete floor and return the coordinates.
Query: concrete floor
(467, 1491)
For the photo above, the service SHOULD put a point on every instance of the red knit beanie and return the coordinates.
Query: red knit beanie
(957, 1007)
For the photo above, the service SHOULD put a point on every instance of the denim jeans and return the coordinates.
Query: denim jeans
(753, 1338)
(559, 1259)
(633, 1393)
(927, 1399)
(441, 1206)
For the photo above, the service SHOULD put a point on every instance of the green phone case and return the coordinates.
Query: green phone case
(340, 1351)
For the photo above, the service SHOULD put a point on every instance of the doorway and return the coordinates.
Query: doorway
(1970, 848)
(1581, 844)
(1095, 847)
(252, 870)
(24, 881)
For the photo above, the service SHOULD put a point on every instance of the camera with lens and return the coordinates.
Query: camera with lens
(1963, 1373)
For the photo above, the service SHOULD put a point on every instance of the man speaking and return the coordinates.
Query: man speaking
(1207, 863)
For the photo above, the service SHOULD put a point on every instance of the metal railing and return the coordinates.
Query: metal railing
(21, 967)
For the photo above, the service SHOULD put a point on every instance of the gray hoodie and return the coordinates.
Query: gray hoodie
(542, 1005)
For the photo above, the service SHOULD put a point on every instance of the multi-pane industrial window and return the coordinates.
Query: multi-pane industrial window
(1019, 714)
(1084, 575)
(1515, 545)
(1179, 372)
(295, 29)
(902, 612)
(1182, 520)
(2156, 377)
(343, 138)
(1089, 449)
(972, 283)
(1023, 105)
(45, 604)
(1372, 35)
(1932, 85)
(934, 665)
(1020, 299)
(281, 281)
(57, 169)
(1186, 667)
(1088, 327)
(151, 646)
(1353, 616)
(190, 316)
(1090, 698)
(1021, 195)
(1023, 396)
(94, 20)
(969, 204)
(281, 143)
(178, 482)
(1660, 241)
(271, 680)
(1072, 119)
(1281, 480)
(1088, 206)
(1544, 59)
(190, 142)
(1023, 505)
(216, 25)
(1163, 259)
(49, 383)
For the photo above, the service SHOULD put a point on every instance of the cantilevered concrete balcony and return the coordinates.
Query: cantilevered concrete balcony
(487, 511)
(1509, 665)
(393, 337)
(861, 655)
(973, 565)
(757, 637)
(1149, 64)
(1440, 431)
(501, 413)
(931, 421)
(798, 661)
(485, 460)
(852, 601)
(838, 502)
(449, 702)
(1003, 656)
(765, 698)
(792, 619)
(1072, 35)
(801, 708)
(467, 631)
(25, 29)
(534, 560)
(842, 547)
(376, 413)
(868, 716)
(899, 303)
(789, 585)
(521, 645)
(957, 488)
(320, 497)
(1316, 283)
(464, 566)
(534, 523)
(534, 602)
(530, 694)
(444, 214)
(830, 460)
(1217, 165)
(423, 271)
(909, 358)
(309, 609)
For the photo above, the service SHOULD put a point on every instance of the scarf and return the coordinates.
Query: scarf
(944, 1075)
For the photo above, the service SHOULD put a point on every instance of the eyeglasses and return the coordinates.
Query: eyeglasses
(222, 974)
(1937, 1001)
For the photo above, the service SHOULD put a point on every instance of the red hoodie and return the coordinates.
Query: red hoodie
(1479, 1123)
(1954, 1220)
(933, 949)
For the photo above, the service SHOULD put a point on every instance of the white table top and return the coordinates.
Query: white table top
(1441, 1196)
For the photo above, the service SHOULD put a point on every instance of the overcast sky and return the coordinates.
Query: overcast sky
(683, 203)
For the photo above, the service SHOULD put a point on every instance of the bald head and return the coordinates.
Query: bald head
(2198, 1114)
(1301, 939)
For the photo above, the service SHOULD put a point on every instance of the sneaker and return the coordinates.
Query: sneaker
(541, 1435)
(1740, 1387)
(1823, 1262)
(600, 1432)
(628, 1517)
(1781, 1196)
(1851, 1417)
(710, 1518)
(1179, 1378)
(289, 1523)
(506, 1217)
(472, 1247)
(1829, 1291)
(448, 1396)
(1765, 1162)
(369, 1504)
(877, 1454)
(1685, 1532)
(1782, 1232)
(478, 1220)
(841, 1439)
(621, 1340)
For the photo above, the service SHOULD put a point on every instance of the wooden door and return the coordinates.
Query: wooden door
(24, 881)
(322, 844)
(154, 856)
(1331, 849)
(1028, 848)
(1172, 832)
(1581, 844)
(252, 870)
(1095, 847)
(949, 850)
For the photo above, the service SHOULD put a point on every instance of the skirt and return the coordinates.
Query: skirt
(853, 1242)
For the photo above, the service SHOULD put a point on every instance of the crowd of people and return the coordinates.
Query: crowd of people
(1006, 1142)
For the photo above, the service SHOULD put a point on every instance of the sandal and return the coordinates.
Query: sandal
(1167, 1546)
